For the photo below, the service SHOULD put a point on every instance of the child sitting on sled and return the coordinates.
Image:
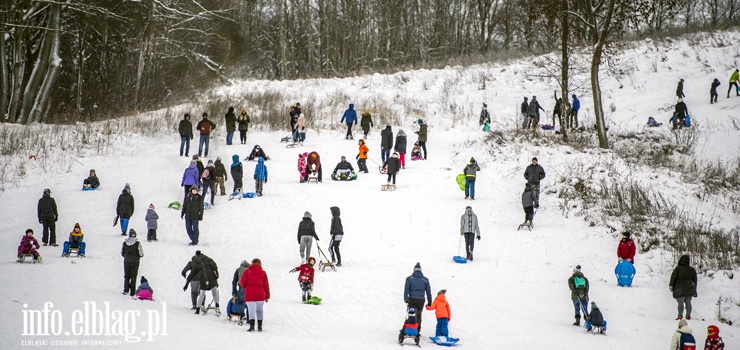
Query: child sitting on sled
(410, 327)
(28, 245)
(442, 312)
(305, 278)
(75, 241)
(144, 292)
(595, 320)
(92, 181)
(416, 152)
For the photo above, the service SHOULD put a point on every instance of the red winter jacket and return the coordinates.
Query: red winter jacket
(306, 274)
(255, 284)
(626, 250)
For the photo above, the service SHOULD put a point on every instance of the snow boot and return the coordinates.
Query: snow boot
(259, 325)
(251, 326)
(197, 310)
(218, 311)
(578, 320)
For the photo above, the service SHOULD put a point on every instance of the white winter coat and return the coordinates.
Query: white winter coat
(677, 336)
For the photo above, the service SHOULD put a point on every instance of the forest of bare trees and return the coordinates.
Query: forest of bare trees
(81, 60)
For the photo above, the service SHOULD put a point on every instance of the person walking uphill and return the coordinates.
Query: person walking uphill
(573, 117)
(306, 234)
(578, 285)
(230, 119)
(186, 134)
(469, 229)
(46, 211)
(422, 137)
(442, 311)
(523, 110)
(362, 156)
(125, 208)
(534, 173)
(350, 117)
(485, 117)
(400, 148)
(533, 112)
(209, 180)
(132, 252)
(713, 91)
(734, 80)
(679, 90)
(683, 285)
(191, 177)
(207, 271)
(414, 290)
(237, 172)
(470, 172)
(337, 233)
(366, 122)
(386, 143)
(221, 175)
(192, 212)
(204, 126)
(256, 293)
(682, 336)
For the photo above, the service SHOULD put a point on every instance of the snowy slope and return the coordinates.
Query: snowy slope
(514, 296)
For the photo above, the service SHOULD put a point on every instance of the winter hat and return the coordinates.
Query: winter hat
(29, 230)
(526, 98)
(77, 225)
(311, 260)
(244, 263)
(574, 96)
(472, 160)
(682, 323)
(187, 115)
(534, 159)
(417, 267)
(306, 215)
(197, 252)
(420, 121)
(593, 306)
(626, 234)
(297, 104)
(534, 98)
(367, 110)
(412, 311)
(244, 110)
(144, 280)
(131, 233)
(713, 331)
(218, 159)
(484, 105)
(151, 205)
(231, 109)
(210, 162)
(205, 115)
(577, 269)
(47, 191)
(127, 188)
(443, 291)
(194, 187)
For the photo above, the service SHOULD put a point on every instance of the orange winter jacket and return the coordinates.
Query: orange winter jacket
(363, 151)
(441, 307)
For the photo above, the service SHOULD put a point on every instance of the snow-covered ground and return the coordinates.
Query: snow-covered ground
(513, 296)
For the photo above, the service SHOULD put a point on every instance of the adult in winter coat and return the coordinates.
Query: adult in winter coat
(313, 166)
(734, 80)
(470, 230)
(300, 129)
(422, 137)
(256, 293)
(191, 177)
(679, 115)
(221, 175)
(392, 167)
(557, 110)
(683, 285)
(573, 117)
(386, 143)
(714, 341)
(238, 292)
(295, 112)
(682, 332)
(343, 171)
(243, 121)
(679, 89)
(206, 269)
(192, 212)
(132, 252)
(204, 126)
(260, 176)
(186, 134)
(209, 180)
(470, 171)
(350, 117)
(485, 117)
(523, 110)
(257, 152)
(414, 290)
(199, 165)
(533, 111)
(578, 285)
(366, 122)
(194, 279)
(92, 180)
(337, 233)
(713, 91)
(237, 172)
(46, 211)
(400, 148)
(230, 119)
(626, 249)
(151, 223)
(306, 234)
(362, 156)
(534, 173)
(125, 208)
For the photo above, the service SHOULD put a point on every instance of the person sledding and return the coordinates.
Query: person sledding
(344, 171)
(75, 242)
(313, 167)
(595, 320)
(28, 245)
(257, 152)
(144, 292)
(410, 327)
(91, 182)
(442, 311)
(416, 152)
(305, 278)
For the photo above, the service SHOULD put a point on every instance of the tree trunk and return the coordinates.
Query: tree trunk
(19, 66)
(564, 70)
(37, 77)
(54, 62)
(4, 78)
(143, 51)
(595, 85)
(282, 66)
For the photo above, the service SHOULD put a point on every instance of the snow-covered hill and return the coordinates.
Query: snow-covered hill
(513, 296)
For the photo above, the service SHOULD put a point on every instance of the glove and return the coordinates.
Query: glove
(182, 215)
(406, 302)
(255, 177)
(478, 238)
(429, 305)
(41, 221)
(536, 206)
(357, 156)
(200, 217)
(630, 260)
(266, 300)
(291, 271)
(185, 288)
(265, 180)
(620, 260)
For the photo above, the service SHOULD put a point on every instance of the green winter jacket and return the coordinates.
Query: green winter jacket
(577, 294)
(366, 122)
(422, 133)
(735, 77)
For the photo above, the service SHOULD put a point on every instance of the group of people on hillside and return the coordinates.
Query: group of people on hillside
(530, 112)
(205, 126)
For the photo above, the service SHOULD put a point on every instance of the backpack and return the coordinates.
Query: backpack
(206, 174)
(579, 282)
(687, 342)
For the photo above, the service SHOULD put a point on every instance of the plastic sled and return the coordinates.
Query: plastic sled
(236, 195)
(460, 259)
(175, 205)
(595, 329)
(89, 188)
(249, 194)
(344, 177)
(625, 272)
(23, 257)
(688, 121)
(314, 300)
(547, 127)
(444, 341)
(461, 181)
(144, 295)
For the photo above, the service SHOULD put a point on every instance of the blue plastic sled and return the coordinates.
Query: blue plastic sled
(688, 121)
(444, 341)
(249, 194)
(625, 272)
(89, 188)
(460, 259)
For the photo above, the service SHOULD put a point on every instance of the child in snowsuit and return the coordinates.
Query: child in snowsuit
(260, 176)
(528, 202)
(151, 223)
(714, 341)
(410, 326)
(392, 167)
(595, 319)
(144, 292)
(416, 152)
(75, 241)
(29, 245)
(305, 278)
(442, 312)
(92, 181)
(237, 172)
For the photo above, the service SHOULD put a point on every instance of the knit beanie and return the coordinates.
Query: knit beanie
(143, 279)
(131, 233)
(77, 225)
(151, 205)
(626, 234)
(443, 291)
(593, 306)
(577, 269)
(417, 267)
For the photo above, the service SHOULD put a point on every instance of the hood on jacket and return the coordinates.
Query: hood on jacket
(231, 109)
(441, 298)
(244, 263)
(127, 188)
(401, 133)
(352, 106)
(684, 260)
(578, 273)
(192, 164)
(468, 210)
(130, 241)
(472, 160)
(235, 159)
(685, 329)
(334, 211)
(387, 127)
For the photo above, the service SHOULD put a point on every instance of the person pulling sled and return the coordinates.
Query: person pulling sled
(529, 203)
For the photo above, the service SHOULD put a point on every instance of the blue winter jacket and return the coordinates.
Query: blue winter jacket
(416, 285)
(576, 103)
(190, 177)
(260, 171)
(350, 115)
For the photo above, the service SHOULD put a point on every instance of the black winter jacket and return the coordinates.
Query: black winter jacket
(683, 279)
(125, 205)
(237, 172)
(230, 120)
(336, 222)
(596, 318)
(307, 228)
(47, 208)
(189, 267)
(400, 143)
(534, 174)
(393, 164)
(386, 138)
(192, 207)
(185, 128)
(344, 165)
(220, 170)
(131, 251)
(206, 270)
